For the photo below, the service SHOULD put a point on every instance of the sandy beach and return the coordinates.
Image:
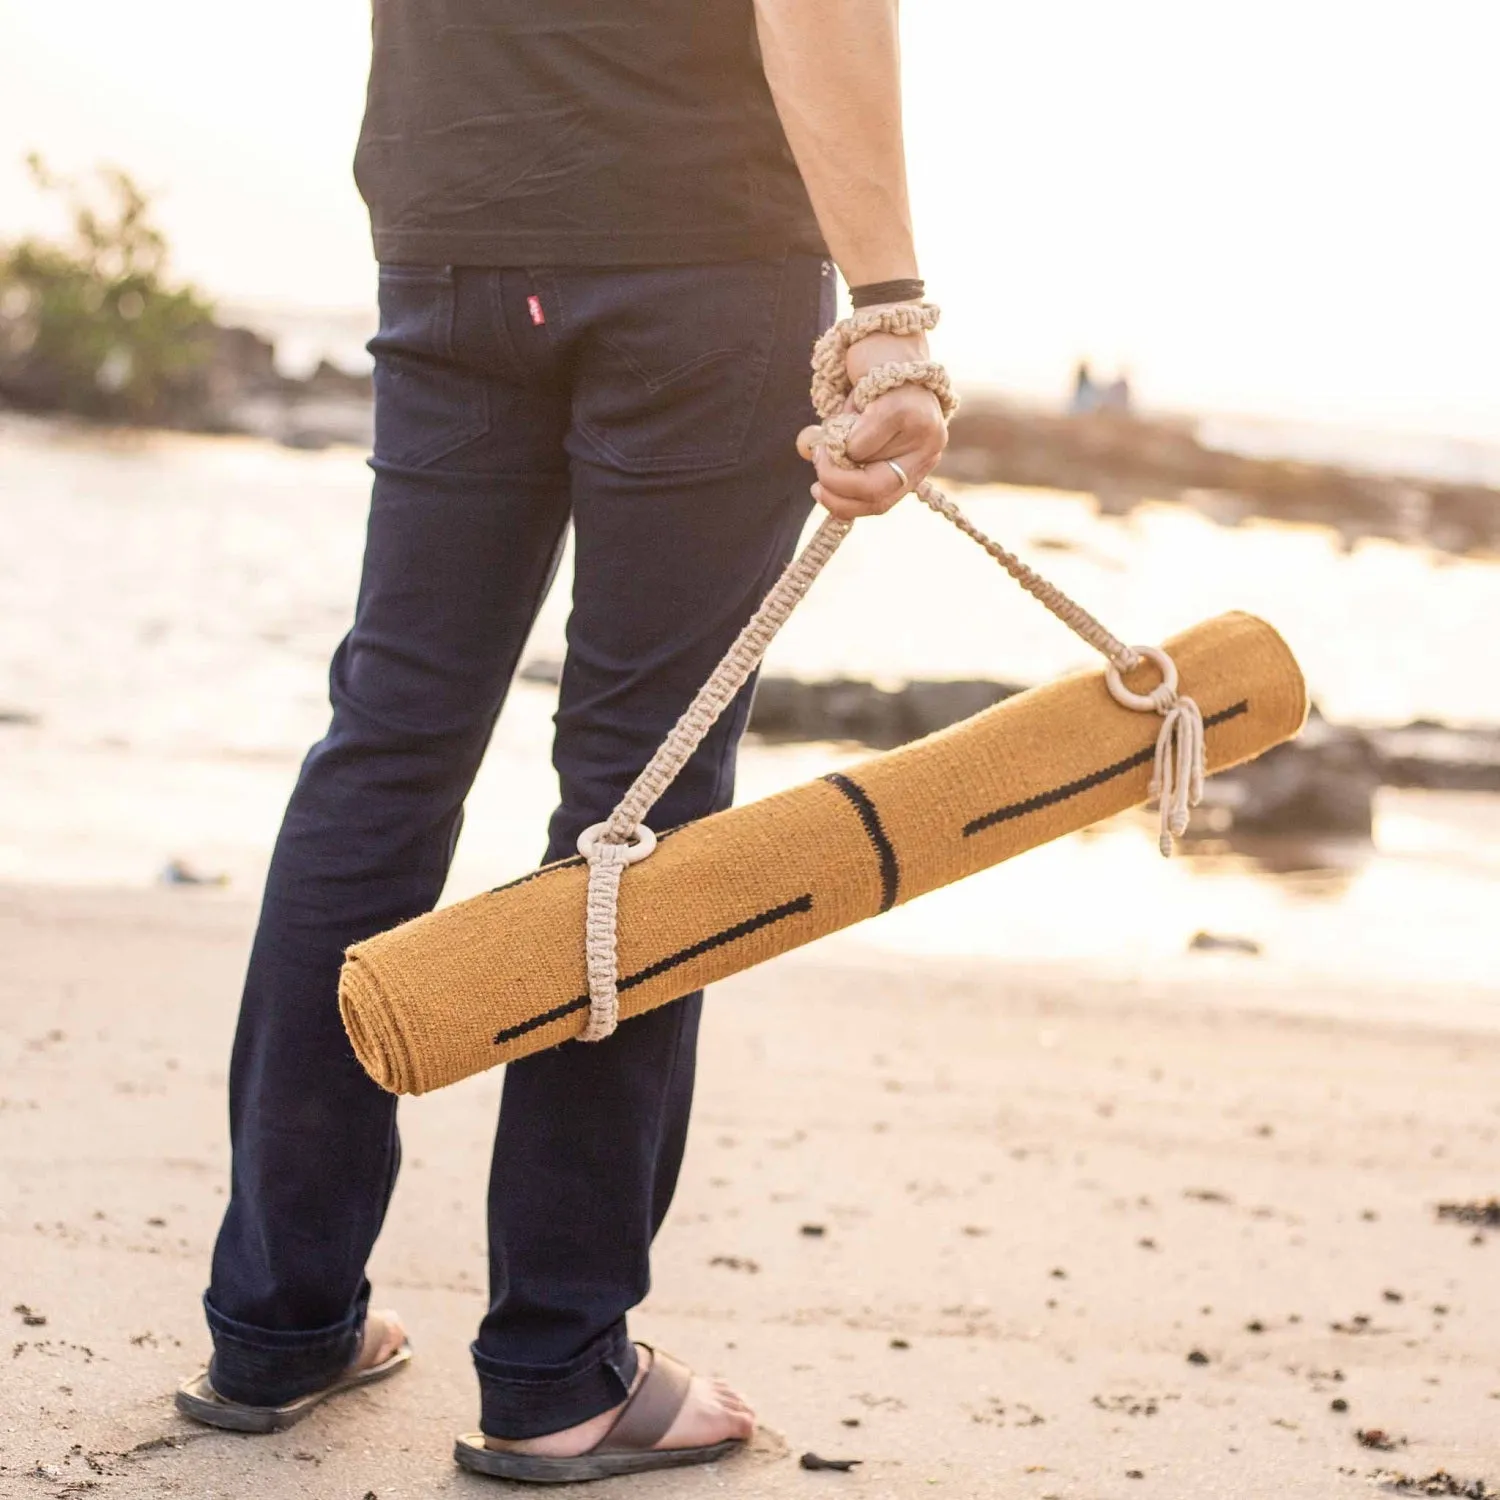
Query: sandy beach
(1093, 1175)
(990, 1230)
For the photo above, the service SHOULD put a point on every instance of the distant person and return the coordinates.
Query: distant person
(603, 230)
(1116, 396)
(1085, 398)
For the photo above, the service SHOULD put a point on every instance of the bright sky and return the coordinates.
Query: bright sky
(1287, 207)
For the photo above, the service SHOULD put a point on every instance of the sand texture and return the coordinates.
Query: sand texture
(990, 1231)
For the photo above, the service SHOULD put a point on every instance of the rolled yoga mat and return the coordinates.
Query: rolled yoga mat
(503, 974)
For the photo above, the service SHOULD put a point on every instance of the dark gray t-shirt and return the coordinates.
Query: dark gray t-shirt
(575, 132)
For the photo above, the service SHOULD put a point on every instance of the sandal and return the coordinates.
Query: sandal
(196, 1398)
(629, 1447)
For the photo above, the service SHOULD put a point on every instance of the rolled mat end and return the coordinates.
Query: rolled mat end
(377, 1041)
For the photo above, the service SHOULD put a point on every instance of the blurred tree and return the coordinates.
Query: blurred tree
(91, 323)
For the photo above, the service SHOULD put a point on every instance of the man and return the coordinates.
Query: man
(603, 229)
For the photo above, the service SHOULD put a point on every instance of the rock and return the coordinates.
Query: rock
(546, 670)
(838, 709)
(1213, 942)
(835, 1465)
(330, 382)
(1438, 757)
(1322, 783)
(929, 706)
(178, 872)
(241, 361)
(843, 708)
(307, 439)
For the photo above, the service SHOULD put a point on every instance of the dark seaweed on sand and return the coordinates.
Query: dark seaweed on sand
(1439, 1483)
(1484, 1214)
(838, 1465)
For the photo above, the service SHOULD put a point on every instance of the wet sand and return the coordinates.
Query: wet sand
(992, 1231)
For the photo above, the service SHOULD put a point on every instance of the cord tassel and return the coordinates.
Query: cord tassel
(1177, 774)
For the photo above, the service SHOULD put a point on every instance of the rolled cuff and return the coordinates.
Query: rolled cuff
(271, 1366)
(524, 1401)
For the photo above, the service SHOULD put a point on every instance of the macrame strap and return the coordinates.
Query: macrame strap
(623, 838)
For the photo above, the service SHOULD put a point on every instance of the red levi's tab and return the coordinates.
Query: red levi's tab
(534, 306)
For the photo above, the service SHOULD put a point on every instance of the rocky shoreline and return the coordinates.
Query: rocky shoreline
(1120, 458)
(1123, 460)
(244, 392)
(1322, 783)
(234, 388)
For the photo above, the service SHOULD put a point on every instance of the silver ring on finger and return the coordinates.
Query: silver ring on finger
(900, 474)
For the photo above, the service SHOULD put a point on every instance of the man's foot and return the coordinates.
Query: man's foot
(383, 1350)
(383, 1338)
(711, 1413)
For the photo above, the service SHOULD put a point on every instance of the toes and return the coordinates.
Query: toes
(384, 1337)
(712, 1412)
(731, 1402)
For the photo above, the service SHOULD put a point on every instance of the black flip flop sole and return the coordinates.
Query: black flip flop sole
(470, 1453)
(197, 1399)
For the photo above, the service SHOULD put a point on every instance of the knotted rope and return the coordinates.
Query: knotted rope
(623, 838)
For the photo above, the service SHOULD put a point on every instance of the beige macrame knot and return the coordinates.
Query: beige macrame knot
(888, 377)
(830, 380)
(607, 861)
(833, 439)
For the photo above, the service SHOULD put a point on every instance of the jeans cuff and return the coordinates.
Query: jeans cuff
(271, 1366)
(524, 1401)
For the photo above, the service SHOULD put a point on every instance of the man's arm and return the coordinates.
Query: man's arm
(834, 67)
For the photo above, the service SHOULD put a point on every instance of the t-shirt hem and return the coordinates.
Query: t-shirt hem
(432, 247)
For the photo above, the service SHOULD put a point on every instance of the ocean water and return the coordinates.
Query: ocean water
(168, 605)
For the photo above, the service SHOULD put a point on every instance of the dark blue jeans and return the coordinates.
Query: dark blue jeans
(655, 408)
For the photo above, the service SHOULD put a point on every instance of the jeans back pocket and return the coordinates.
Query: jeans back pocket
(672, 360)
(426, 405)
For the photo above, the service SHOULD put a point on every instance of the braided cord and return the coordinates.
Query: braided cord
(1178, 770)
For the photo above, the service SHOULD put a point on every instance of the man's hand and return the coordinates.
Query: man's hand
(905, 425)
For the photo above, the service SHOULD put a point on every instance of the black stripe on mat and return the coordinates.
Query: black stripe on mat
(565, 863)
(890, 869)
(671, 961)
(1087, 783)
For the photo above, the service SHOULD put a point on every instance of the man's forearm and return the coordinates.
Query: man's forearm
(834, 67)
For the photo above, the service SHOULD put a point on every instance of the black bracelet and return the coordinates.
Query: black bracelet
(906, 289)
